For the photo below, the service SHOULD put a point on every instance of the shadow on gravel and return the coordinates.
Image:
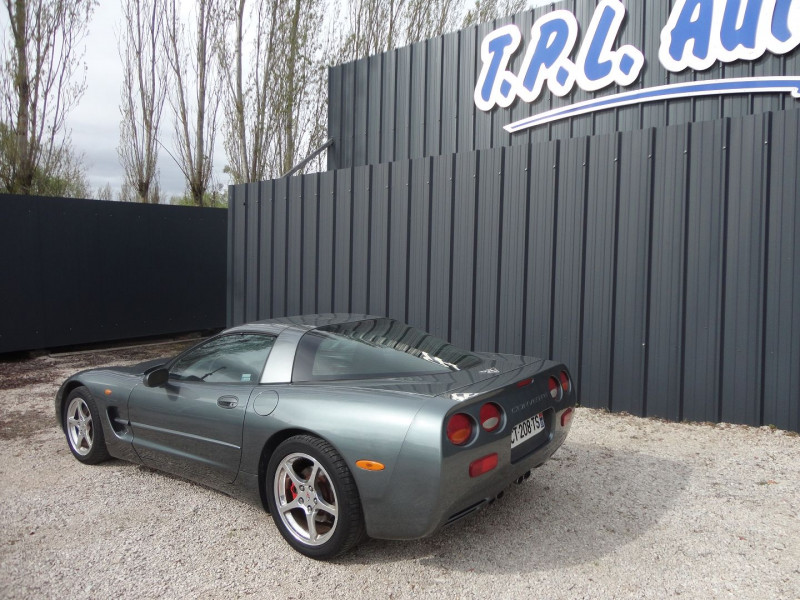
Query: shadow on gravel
(17, 371)
(24, 424)
(584, 503)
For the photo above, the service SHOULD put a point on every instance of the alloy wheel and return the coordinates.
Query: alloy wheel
(306, 499)
(80, 429)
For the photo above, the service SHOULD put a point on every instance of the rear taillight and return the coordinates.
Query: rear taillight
(564, 381)
(553, 384)
(490, 416)
(459, 429)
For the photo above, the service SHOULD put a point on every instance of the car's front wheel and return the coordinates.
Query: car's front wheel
(83, 428)
(313, 498)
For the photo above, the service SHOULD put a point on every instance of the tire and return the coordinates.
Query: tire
(313, 498)
(83, 428)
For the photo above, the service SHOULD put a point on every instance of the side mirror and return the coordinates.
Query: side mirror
(156, 377)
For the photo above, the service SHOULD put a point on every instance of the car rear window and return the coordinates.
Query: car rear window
(375, 348)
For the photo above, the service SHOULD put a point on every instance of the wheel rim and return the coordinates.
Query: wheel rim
(305, 499)
(79, 426)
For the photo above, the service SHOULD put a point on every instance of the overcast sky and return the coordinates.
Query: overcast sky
(95, 121)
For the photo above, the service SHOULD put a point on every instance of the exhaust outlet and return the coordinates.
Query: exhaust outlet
(524, 477)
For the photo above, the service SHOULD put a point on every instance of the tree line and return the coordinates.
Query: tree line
(248, 74)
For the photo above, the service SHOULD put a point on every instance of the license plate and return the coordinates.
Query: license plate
(526, 429)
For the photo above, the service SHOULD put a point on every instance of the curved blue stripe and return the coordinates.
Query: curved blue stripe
(717, 86)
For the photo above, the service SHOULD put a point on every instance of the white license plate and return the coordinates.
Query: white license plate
(526, 429)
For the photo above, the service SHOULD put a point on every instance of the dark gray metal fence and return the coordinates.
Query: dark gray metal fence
(661, 265)
(80, 271)
(417, 101)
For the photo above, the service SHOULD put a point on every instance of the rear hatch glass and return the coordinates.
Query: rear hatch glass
(376, 348)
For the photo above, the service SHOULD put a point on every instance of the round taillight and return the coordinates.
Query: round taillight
(553, 385)
(564, 381)
(490, 416)
(459, 429)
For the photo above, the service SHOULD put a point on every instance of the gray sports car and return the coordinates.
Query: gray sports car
(342, 426)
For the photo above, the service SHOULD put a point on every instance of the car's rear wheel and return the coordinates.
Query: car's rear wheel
(313, 498)
(83, 428)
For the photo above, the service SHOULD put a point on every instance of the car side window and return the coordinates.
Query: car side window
(232, 358)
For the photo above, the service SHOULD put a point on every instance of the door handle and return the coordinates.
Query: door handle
(228, 401)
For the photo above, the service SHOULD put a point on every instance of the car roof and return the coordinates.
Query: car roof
(300, 322)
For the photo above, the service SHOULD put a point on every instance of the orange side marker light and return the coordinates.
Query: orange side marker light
(370, 465)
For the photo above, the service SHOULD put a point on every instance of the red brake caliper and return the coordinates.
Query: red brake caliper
(293, 490)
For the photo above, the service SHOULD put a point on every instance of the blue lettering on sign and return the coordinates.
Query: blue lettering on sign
(691, 32)
(547, 59)
(700, 33)
(784, 38)
(598, 64)
(495, 52)
(594, 66)
(736, 31)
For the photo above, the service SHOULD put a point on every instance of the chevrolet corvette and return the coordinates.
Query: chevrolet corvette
(341, 426)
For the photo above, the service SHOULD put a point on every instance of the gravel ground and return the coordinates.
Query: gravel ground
(627, 508)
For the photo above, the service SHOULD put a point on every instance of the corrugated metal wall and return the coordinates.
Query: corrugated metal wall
(83, 271)
(417, 100)
(661, 265)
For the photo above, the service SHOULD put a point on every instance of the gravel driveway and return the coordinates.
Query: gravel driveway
(627, 508)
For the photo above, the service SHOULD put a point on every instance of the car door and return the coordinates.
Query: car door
(192, 425)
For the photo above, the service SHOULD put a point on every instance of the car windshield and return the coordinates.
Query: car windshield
(375, 348)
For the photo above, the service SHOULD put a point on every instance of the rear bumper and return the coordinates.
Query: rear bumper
(428, 491)
(484, 490)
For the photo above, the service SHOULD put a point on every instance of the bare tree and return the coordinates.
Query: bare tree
(41, 83)
(296, 79)
(379, 25)
(104, 192)
(126, 193)
(315, 109)
(275, 110)
(195, 115)
(487, 10)
(273, 67)
(429, 18)
(373, 26)
(248, 100)
(143, 93)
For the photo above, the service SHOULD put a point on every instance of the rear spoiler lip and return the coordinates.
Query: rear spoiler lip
(504, 379)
